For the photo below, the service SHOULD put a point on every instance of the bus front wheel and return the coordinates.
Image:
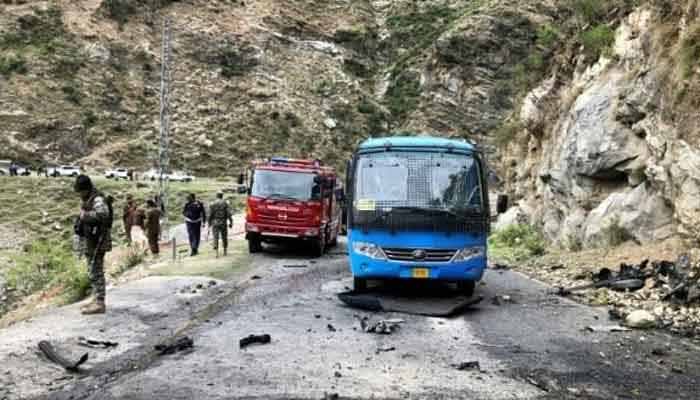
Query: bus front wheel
(359, 284)
(466, 287)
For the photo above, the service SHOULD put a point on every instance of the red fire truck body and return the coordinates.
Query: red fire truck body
(292, 199)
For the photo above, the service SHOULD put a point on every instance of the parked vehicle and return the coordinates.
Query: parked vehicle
(6, 165)
(117, 173)
(151, 175)
(292, 200)
(180, 176)
(418, 208)
(65, 170)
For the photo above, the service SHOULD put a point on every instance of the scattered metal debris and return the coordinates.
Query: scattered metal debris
(179, 344)
(385, 349)
(463, 366)
(49, 351)
(607, 328)
(96, 344)
(247, 341)
(502, 299)
(384, 327)
(331, 328)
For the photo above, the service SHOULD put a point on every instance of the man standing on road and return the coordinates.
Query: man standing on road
(219, 214)
(94, 226)
(195, 218)
(129, 216)
(153, 226)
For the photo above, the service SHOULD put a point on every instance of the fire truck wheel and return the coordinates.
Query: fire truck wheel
(318, 247)
(359, 284)
(466, 287)
(254, 245)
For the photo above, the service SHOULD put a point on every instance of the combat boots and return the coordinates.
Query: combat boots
(95, 307)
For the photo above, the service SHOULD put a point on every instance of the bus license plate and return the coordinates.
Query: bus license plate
(421, 273)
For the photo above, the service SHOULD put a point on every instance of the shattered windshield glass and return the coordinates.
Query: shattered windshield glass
(418, 180)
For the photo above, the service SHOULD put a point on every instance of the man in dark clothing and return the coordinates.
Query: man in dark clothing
(153, 226)
(195, 219)
(94, 226)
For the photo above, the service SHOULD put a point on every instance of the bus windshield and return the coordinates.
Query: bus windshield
(418, 181)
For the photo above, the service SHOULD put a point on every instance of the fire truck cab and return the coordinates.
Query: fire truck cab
(291, 199)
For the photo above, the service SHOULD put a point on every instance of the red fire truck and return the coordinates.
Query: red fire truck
(291, 199)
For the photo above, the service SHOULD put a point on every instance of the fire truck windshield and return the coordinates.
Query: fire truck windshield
(284, 185)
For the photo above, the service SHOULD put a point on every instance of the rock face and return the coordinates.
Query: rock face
(612, 163)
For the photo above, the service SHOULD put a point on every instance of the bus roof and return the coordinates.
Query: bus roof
(416, 141)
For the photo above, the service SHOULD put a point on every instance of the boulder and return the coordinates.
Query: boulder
(514, 215)
(642, 214)
(640, 319)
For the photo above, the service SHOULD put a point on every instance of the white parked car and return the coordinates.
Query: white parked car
(179, 176)
(65, 170)
(117, 173)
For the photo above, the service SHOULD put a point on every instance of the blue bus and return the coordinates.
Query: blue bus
(418, 208)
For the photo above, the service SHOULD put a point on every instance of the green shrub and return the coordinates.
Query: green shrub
(598, 40)
(506, 133)
(135, 255)
(48, 264)
(690, 52)
(547, 36)
(12, 64)
(40, 29)
(403, 95)
(71, 93)
(590, 11)
(517, 242)
(614, 234)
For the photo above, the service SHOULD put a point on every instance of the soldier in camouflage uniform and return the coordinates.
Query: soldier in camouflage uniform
(219, 214)
(94, 225)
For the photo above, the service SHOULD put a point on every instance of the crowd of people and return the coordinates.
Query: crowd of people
(94, 227)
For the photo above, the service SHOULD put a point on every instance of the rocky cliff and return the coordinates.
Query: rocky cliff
(587, 108)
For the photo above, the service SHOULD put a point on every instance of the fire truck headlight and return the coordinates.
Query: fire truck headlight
(252, 228)
(370, 250)
(311, 232)
(469, 253)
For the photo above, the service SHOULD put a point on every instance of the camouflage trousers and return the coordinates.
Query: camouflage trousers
(220, 231)
(96, 273)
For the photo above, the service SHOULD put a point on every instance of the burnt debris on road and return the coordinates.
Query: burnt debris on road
(50, 352)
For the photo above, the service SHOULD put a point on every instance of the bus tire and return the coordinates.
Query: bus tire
(466, 287)
(254, 245)
(359, 284)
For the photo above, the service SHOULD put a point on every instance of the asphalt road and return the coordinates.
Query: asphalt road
(534, 347)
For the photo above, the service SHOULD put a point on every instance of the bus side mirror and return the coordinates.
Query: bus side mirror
(501, 203)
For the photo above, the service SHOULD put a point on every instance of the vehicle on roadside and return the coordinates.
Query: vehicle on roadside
(180, 176)
(65, 170)
(23, 170)
(151, 175)
(295, 200)
(418, 208)
(117, 173)
(6, 165)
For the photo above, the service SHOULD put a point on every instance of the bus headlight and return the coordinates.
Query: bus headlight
(370, 250)
(469, 253)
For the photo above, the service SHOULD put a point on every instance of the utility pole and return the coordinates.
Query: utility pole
(164, 147)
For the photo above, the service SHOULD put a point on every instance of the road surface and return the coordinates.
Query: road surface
(533, 347)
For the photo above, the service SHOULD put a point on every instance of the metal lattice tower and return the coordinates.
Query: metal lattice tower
(164, 150)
